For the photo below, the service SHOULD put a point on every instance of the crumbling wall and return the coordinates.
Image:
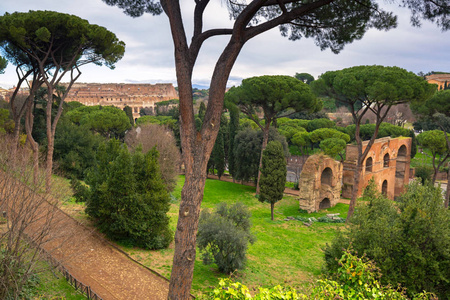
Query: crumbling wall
(320, 183)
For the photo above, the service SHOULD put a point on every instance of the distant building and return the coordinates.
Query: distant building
(439, 79)
(136, 96)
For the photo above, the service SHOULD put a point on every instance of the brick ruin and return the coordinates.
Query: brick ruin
(320, 183)
(388, 162)
(136, 96)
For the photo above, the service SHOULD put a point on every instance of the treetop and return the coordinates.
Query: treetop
(373, 84)
(58, 37)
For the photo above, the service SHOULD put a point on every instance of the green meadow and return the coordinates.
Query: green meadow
(286, 252)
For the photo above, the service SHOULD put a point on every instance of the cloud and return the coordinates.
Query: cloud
(149, 47)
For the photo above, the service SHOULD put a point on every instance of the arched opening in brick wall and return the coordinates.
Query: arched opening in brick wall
(326, 177)
(384, 188)
(400, 168)
(369, 163)
(402, 151)
(386, 161)
(325, 203)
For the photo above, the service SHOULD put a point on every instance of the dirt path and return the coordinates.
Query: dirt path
(109, 272)
(89, 257)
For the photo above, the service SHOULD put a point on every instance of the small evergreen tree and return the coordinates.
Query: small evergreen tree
(129, 113)
(273, 174)
(202, 111)
(217, 160)
(232, 131)
(127, 197)
(223, 236)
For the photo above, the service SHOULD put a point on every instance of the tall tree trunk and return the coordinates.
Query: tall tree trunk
(29, 119)
(263, 147)
(272, 206)
(186, 233)
(447, 194)
(196, 146)
(16, 138)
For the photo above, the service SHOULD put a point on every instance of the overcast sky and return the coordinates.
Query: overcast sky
(149, 49)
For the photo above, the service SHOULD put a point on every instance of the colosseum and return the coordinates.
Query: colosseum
(136, 96)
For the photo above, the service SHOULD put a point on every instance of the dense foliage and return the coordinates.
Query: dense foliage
(127, 197)
(435, 141)
(75, 148)
(247, 151)
(408, 240)
(108, 121)
(356, 278)
(223, 236)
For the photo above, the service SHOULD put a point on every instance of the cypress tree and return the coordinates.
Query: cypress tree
(129, 113)
(273, 174)
(232, 131)
(217, 159)
(202, 111)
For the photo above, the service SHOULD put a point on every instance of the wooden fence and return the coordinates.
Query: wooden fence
(78, 285)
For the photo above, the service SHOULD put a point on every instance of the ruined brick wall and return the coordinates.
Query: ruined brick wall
(136, 96)
(320, 183)
(388, 163)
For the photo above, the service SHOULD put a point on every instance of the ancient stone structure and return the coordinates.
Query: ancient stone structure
(320, 183)
(387, 162)
(439, 79)
(136, 96)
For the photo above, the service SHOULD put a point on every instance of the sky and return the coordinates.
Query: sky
(149, 49)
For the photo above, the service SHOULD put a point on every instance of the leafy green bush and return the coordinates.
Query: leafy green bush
(223, 236)
(80, 190)
(408, 240)
(356, 278)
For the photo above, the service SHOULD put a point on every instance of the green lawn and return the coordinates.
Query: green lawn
(286, 252)
(52, 285)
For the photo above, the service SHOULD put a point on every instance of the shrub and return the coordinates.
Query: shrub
(356, 278)
(424, 173)
(80, 190)
(408, 240)
(223, 236)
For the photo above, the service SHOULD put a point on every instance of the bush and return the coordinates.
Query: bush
(80, 190)
(424, 173)
(223, 236)
(356, 278)
(408, 240)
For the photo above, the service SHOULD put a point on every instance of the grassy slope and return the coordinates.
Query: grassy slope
(285, 251)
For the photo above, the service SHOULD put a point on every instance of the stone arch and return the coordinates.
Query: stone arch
(326, 177)
(386, 159)
(400, 169)
(384, 188)
(402, 152)
(369, 164)
(325, 203)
